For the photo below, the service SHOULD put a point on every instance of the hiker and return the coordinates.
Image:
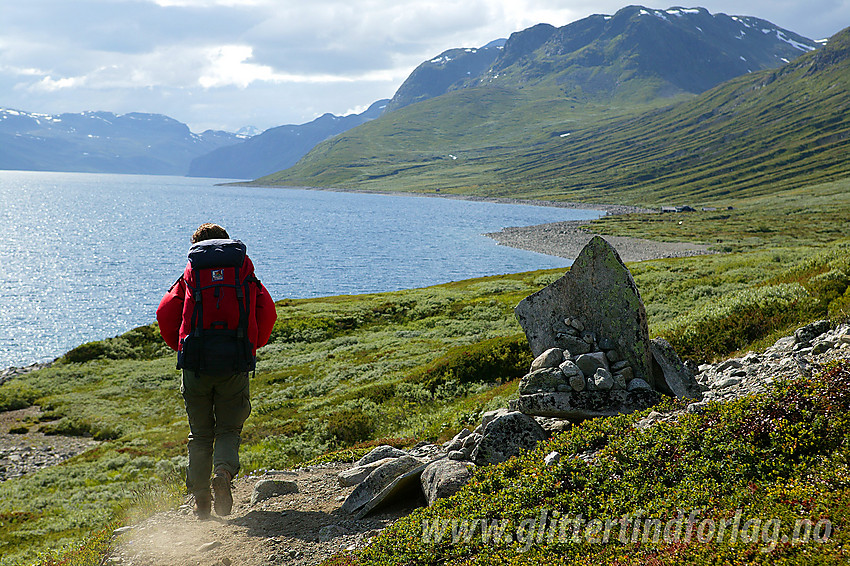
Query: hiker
(216, 316)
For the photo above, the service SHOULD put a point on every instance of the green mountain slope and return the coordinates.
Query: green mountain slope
(755, 134)
(462, 137)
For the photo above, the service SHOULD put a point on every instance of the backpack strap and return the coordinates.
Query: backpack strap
(198, 311)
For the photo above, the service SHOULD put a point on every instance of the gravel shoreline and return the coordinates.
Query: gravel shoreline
(566, 239)
(562, 239)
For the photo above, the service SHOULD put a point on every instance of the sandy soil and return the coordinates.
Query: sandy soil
(295, 529)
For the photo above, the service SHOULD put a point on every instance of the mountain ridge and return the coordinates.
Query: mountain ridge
(102, 142)
(277, 148)
(570, 155)
(597, 54)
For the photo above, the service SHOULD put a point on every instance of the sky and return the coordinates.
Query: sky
(225, 64)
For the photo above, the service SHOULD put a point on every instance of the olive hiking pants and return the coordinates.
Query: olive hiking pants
(217, 409)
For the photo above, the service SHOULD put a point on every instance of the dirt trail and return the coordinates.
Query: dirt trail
(297, 529)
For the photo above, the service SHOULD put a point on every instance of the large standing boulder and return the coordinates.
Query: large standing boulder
(506, 436)
(579, 406)
(599, 290)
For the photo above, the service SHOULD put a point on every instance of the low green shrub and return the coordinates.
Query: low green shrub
(86, 352)
(146, 342)
(731, 323)
(17, 395)
(349, 426)
(304, 329)
(839, 309)
(141, 343)
(748, 472)
(70, 426)
(492, 361)
(91, 552)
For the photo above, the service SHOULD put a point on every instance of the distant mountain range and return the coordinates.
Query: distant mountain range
(277, 148)
(483, 103)
(102, 142)
(447, 71)
(677, 50)
(545, 83)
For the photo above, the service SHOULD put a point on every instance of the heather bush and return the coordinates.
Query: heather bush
(732, 322)
(491, 361)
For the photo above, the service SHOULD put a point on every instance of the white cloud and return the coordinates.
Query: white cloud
(228, 63)
(208, 3)
(28, 72)
(49, 84)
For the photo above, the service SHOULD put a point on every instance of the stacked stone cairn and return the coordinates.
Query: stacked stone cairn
(594, 358)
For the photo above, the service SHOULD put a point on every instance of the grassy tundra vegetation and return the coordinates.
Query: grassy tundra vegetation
(343, 372)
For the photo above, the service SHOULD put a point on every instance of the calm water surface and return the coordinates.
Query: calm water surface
(85, 257)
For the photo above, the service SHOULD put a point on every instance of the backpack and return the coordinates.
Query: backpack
(217, 344)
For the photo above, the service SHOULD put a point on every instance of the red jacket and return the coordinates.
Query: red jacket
(174, 313)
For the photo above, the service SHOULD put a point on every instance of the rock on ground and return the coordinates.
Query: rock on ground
(444, 478)
(506, 436)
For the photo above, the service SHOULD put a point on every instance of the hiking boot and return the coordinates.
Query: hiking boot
(221, 489)
(203, 502)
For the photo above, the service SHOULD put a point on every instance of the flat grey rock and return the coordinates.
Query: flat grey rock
(671, 375)
(379, 453)
(552, 425)
(589, 363)
(456, 442)
(544, 379)
(603, 380)
(811, 331)
(266, 489)
(386, 481)
(588, 404)
(637, 384)
(577, 382)
(427, 452)
(490, 416)
(356, 474)
(551, 358)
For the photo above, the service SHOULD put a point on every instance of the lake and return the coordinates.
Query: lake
(88, 256)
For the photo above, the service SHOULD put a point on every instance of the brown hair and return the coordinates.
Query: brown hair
(209, 231)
